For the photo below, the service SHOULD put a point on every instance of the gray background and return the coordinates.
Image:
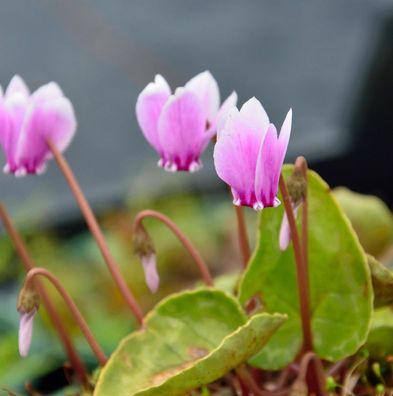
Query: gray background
(309, 55)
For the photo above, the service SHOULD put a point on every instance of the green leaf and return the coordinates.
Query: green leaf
(370, 217)
(340, 287)
(382, 279)
(190, 339)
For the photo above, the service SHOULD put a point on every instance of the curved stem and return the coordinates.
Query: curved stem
(242, 234)
(73, 308)
(301, 270)
(28, 264)
(96, 231)
(182, 238)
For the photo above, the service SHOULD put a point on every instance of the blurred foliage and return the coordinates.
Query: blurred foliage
(75, 259)
(370, 217)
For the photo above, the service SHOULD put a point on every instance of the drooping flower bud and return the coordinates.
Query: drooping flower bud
(296, 185)
(27, 306)
(144, 250)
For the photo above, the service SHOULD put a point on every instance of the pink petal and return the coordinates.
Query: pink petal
(16, 105)
(206, 89)
(45, 119)
(254, 112)
(235, 156)
(47, 92)
(150, 269)
(285, 232)
(17, 85)
(181, 129)
(266, 182)
(283, 140)
(26, 331)
(219, 120)
(148, 109)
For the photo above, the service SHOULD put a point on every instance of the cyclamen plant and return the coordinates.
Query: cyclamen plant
(300, 310)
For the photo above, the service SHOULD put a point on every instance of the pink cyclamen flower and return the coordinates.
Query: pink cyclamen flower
(249, 155)
(28, 120)
(179, 126)
(26, 331)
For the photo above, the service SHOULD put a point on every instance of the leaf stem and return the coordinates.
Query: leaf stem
(203, 268)
(96, 232)
(73, 308)
(28, 264)
(301, 270)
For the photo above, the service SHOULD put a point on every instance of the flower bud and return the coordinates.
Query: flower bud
(144, 250)
(27, 306)
(296, 185)
(28, 299)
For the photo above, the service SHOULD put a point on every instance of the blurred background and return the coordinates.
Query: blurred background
(331, 61)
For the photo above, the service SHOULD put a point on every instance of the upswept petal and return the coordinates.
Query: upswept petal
(15, 106)
(254, 112)
(46, 93)
(148, 109)
(219, 121)
(17, 85)
(4, 125)
(235, 156)
(51, 119)
(26, 331)
(205, 87)
(180, 129)
(266, 182)
(283, 139)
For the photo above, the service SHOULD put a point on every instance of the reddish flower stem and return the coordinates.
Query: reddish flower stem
(72, 307)
(96, 232)
(301, 270)
(203, 268)
(28, 264)
(302, 164)
(242, 235)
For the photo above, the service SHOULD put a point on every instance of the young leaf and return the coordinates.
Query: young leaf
(189, 340)
(340, 287)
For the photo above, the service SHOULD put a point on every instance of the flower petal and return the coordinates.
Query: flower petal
(181, 128)
(150, 269)
(219, 120)
(205, 87)
(47, 92)
(17, 85)
(148, 109)
(254, 112)
(26, 331)
(235, 156)
(266, 180)
(283, 139)
(45, 119)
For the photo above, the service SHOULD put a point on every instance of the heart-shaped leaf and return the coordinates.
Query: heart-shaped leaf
(380, 340)
(340, 287)
(190, 339)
